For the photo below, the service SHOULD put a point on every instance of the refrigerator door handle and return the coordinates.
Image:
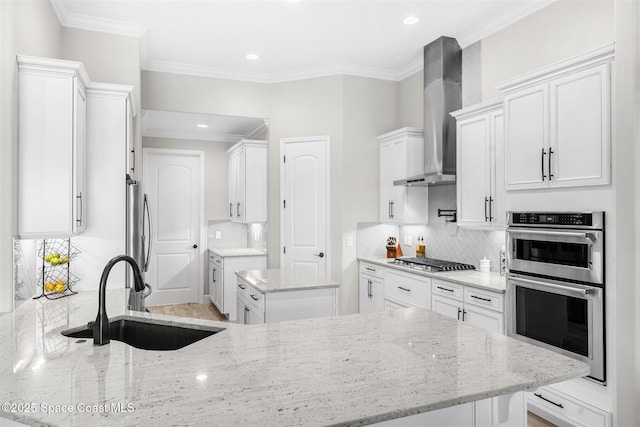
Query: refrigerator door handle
(146, 252)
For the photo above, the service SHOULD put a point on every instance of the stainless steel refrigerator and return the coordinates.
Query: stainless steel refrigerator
(138, 241)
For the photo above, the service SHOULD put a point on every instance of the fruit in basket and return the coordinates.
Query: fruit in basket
(49, 286)
(59, 287)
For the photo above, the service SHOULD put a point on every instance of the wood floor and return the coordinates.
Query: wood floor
(192, 310)
(210, 312)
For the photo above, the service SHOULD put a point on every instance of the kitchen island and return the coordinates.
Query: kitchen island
(343, 370)
(275, 295)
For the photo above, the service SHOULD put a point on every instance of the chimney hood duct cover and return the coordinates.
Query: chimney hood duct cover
(442, 95)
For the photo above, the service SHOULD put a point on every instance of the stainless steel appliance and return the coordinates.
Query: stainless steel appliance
(138, 240)
(431, 264)
(555, 284)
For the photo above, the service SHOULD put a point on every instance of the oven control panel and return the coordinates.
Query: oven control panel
(556, 219)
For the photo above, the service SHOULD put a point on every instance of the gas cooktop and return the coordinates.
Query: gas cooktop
(431, 264)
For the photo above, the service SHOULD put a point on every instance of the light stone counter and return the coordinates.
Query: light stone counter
(490, 281)
(345, 370)
(276, 280)
(232, 252)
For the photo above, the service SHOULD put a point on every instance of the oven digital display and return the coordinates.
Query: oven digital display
(534, 218)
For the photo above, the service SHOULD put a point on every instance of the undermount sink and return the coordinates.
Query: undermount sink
(148, 334)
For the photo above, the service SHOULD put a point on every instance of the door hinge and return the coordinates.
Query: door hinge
(284, 249)
(284, 204)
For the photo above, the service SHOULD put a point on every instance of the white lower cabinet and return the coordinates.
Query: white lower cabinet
(254, 306)
(561, 409)
(222, 279)
(508, 410)
(371, 288)
(477, 307)
(403, 290)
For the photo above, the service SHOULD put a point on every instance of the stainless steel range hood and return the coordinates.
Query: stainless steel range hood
(442, 95)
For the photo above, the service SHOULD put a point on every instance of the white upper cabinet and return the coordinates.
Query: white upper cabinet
(401, 156)
(52, 148)
(558, 124)
(248, 181)
(480, 166)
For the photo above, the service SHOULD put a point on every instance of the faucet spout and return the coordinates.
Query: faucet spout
(101, 329)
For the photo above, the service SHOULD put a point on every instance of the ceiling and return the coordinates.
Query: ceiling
(294, 39)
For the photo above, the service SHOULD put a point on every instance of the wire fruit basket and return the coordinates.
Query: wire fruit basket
(54, 277)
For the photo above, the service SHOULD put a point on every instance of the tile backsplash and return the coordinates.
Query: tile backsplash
(444, 240)
(236, 235)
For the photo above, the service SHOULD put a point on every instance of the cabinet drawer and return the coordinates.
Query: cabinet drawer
(412, 289)
(546, 401)
(371, 269)
(243, 289)
(486, 299)
(256, 299)
(447, 289)
(215, 259)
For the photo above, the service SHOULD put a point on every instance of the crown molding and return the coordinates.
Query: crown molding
(479, 33)
(174, 134)
(411, 68)
(258, 129)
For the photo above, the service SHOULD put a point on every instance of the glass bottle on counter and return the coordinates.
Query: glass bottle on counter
(421, 249)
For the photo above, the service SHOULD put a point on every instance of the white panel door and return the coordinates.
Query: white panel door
(305, 206)
(173, 181)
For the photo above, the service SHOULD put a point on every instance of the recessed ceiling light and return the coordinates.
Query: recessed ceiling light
(202, 125)
(252, 57)
(410, 20)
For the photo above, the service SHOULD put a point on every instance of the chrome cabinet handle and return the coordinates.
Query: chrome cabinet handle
(390, 214)
(242, 287)
(214, 275)
(231, 210)
(549, 168)
(81, 214)
(542, 164)
(459, 311)
(490, 213)
(464, 312)
(486, 218)
(133, 162)
(253, 297)
(538, 395)
(392, 206)
(238, 210)
(370, 269)
(444, 289)
(369, 294)
(404, 289)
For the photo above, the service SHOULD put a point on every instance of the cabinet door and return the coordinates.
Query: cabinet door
(447, 306)
(254, 317)
(233, 184)
(498, 209)
(240, 207)
(580, 120)
(399, 172)
(526, 138)
(79, 158)
(212, 287)
(371, 294)
(387, 191)
(218, 288)
(473, 173)
(483, 318)
(130, 142)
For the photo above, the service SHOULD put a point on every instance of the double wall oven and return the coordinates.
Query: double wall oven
(555, 285)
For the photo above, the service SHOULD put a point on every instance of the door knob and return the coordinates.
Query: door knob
(321, 254)
(195, 246)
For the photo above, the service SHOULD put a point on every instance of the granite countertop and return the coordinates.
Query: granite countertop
(491, 281)
(276, 280)
(343, 370)
(232, 252)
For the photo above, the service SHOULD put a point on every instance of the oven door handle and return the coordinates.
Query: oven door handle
(587, 236)
(569, 290)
